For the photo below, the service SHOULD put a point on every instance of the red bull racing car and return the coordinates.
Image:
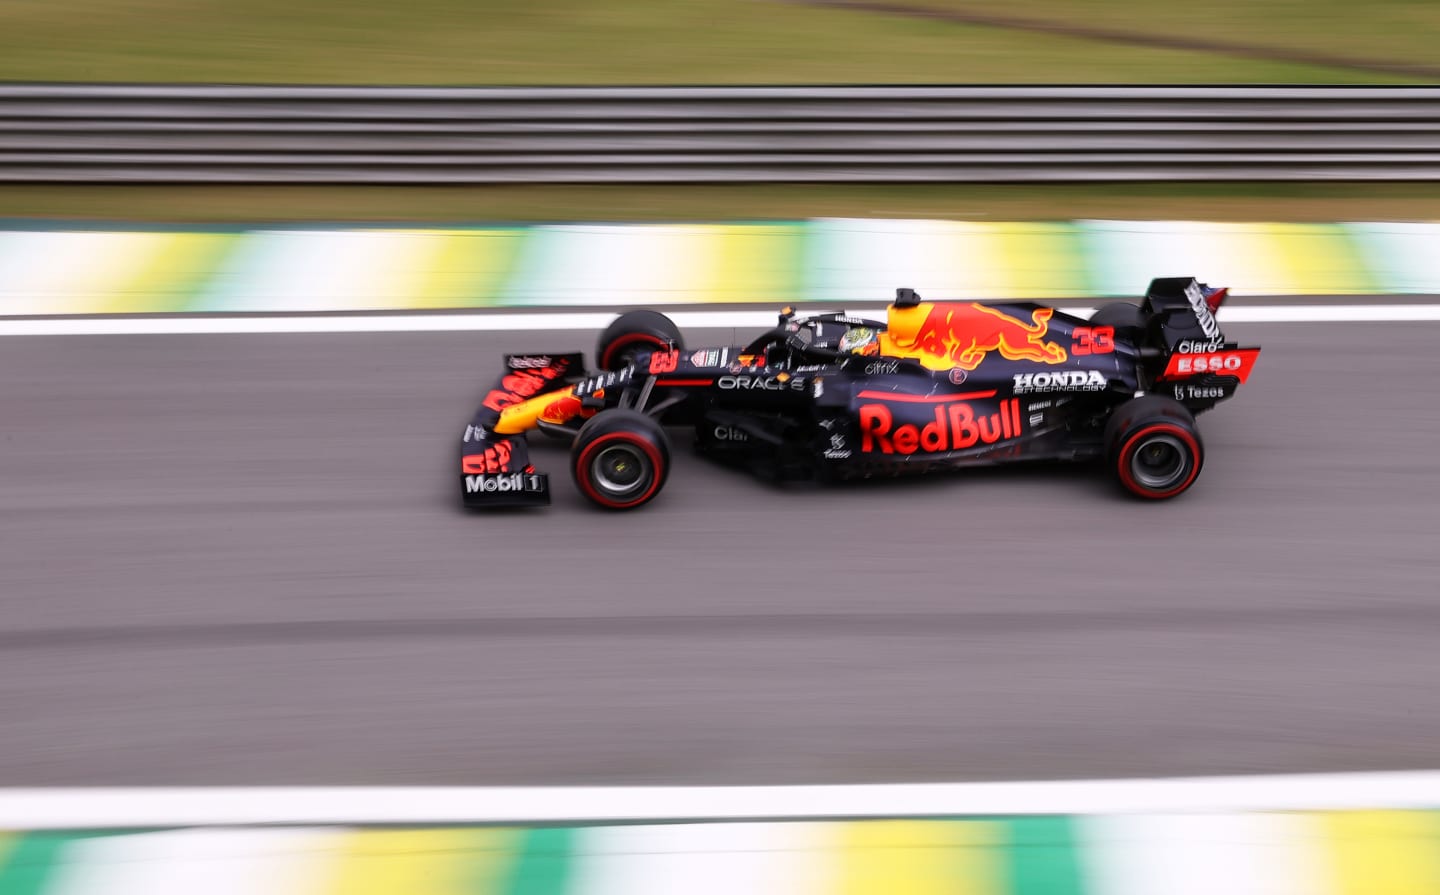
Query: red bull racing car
(833, 396)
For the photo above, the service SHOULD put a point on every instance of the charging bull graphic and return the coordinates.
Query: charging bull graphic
(961, 335)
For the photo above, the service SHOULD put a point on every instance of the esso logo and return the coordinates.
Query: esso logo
(1236, 362)
(1209, 363)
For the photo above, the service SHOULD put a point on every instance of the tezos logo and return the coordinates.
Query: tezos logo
(1193, 392)
(1069, 381)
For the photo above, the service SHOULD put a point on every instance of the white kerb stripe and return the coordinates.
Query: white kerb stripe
(360, 323)
(704, 859)
(189, 862)
(591, 322)
(199, 806)
(599, 264)
(1328, 313)
(1204, 854)
(323, 270)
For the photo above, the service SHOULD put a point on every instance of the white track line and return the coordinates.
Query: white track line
(590, 321)
(200, 806)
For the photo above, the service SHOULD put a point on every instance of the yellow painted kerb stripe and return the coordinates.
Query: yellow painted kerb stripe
(920, 858)
(423, 862)
(1385, 852)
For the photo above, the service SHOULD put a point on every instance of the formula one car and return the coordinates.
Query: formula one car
(832, 396)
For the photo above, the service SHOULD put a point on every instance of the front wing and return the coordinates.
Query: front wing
(495, 469)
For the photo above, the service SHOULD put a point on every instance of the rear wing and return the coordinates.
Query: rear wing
(1182, 309)
(1201, 365)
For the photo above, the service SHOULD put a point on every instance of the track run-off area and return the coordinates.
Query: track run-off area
(231, 553)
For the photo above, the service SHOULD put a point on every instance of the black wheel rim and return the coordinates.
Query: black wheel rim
(620, 470)
(1159, 462)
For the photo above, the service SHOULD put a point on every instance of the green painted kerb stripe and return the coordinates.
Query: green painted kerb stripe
(544, 865)
(1042, 856)
(35, 858)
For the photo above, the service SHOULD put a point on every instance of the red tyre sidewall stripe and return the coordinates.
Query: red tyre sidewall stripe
(1133, 486)
(628, 340)
(582, 466)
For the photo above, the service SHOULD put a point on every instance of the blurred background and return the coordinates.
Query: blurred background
(723, 42)
(232, 554)
(237, 559)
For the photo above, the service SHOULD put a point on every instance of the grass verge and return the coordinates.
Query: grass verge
(689, 41)
(411, 205)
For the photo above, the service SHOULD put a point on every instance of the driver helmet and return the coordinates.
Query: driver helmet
(861, 340)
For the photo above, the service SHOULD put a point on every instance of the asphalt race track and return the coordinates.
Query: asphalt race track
(236, 559)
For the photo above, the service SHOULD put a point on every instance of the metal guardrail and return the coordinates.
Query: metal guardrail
(238, 134)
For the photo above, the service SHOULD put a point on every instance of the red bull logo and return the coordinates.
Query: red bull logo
(494, 459)
(562, 409)
(955, 428)
(961, 335)
(522, 384)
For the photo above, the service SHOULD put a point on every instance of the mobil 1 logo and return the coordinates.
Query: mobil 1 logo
(505, 483)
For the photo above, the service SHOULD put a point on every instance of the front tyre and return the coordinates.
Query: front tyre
(634, 333)
(620, 459)
(1154, 447)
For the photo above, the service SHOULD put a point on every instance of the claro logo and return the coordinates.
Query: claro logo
(730, 433)
(954, 428)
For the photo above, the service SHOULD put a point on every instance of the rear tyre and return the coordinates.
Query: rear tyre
(632, 333)
(620, 459)
(1154, 448)
(1125, 317)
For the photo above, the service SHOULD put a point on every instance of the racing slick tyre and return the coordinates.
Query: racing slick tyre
(620, 459)
(1154, 447)
(1120, 314)
(633, 332)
